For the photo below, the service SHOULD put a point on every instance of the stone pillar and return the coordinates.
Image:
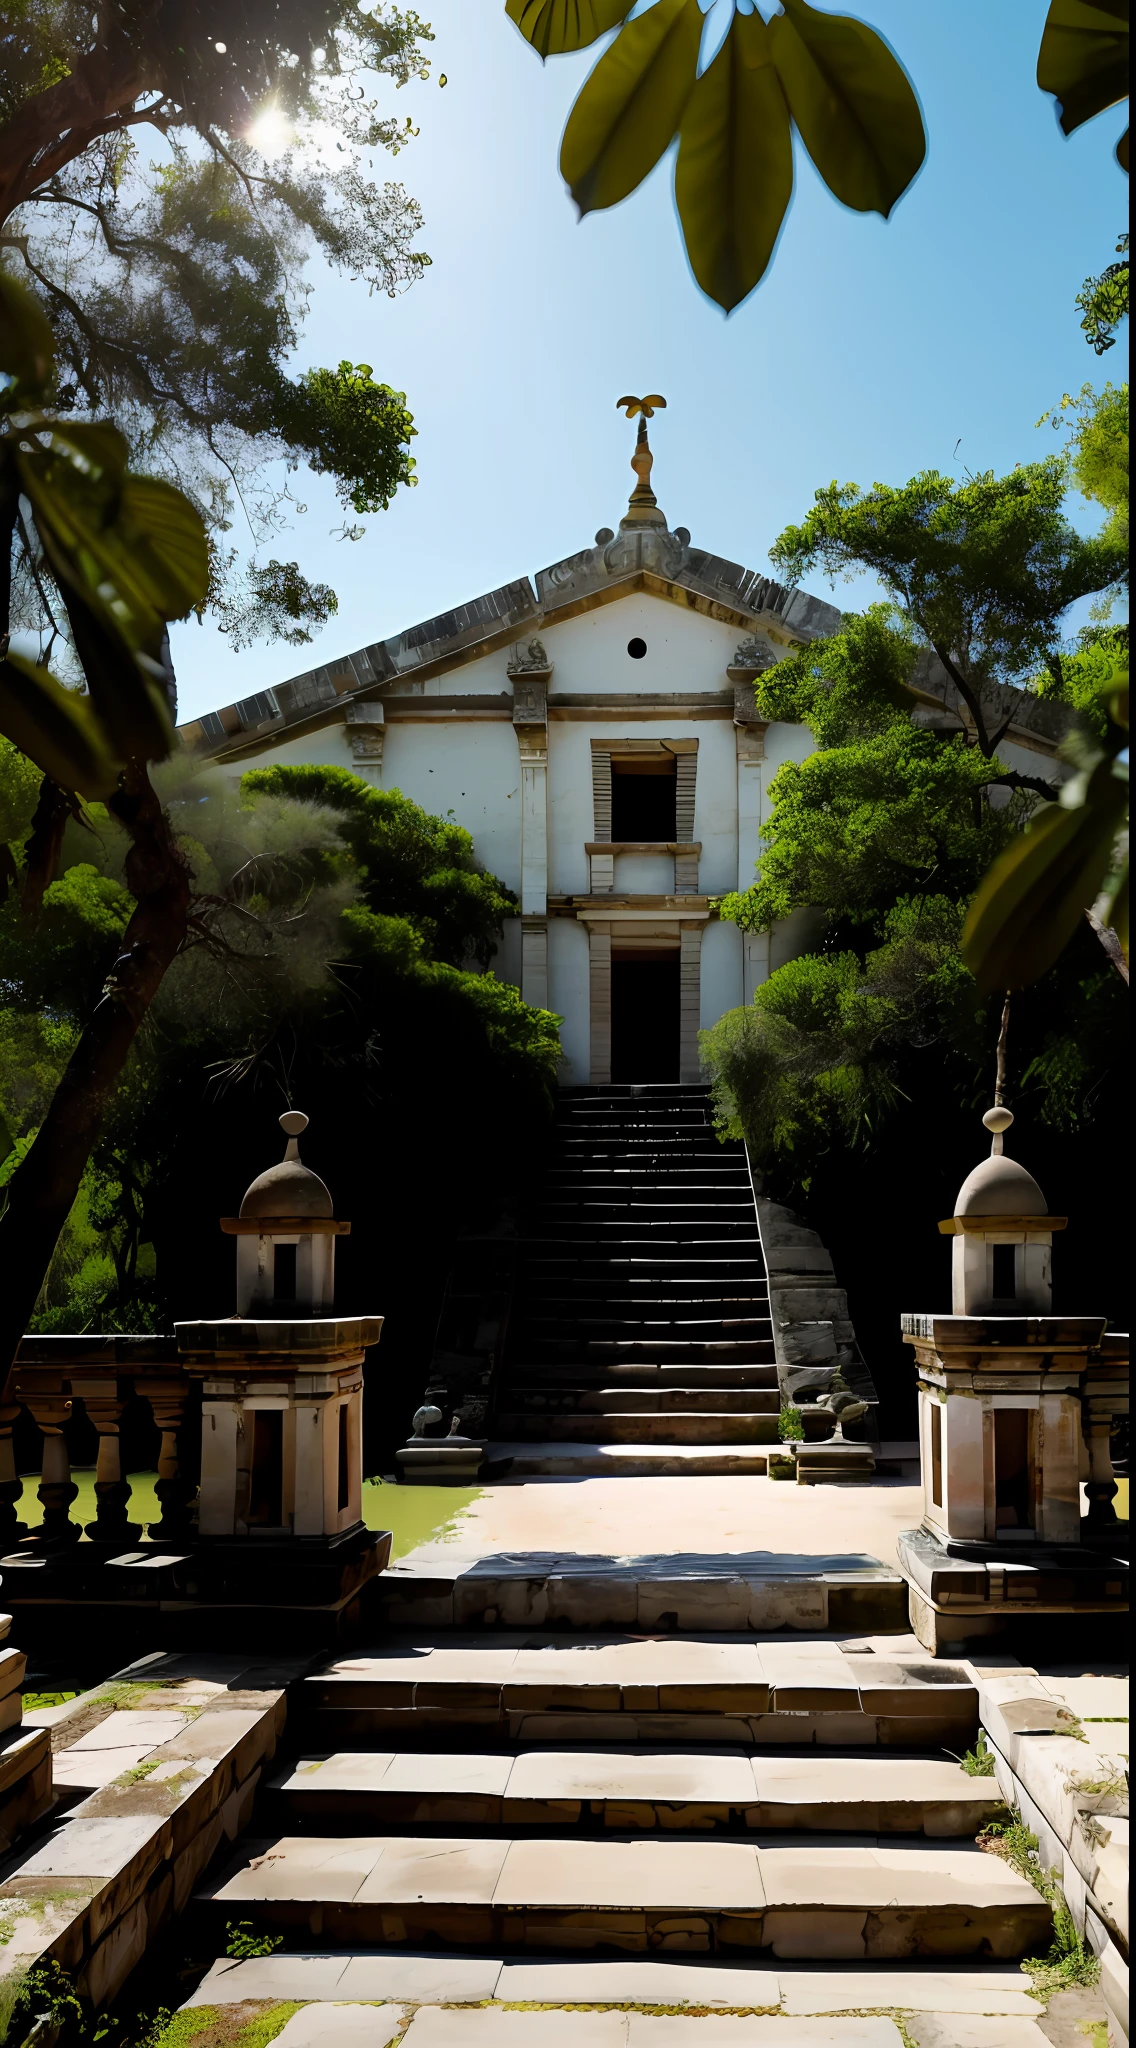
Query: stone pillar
(690, 1000)
(11, 1485)
(56, 1489)
(599, 1001)
(366, 728)
(167, 1400)
(530, 723)
(112, 1489)
(749, 733)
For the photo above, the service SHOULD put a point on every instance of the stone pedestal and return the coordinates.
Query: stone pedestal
(442, 1461)
(836, 1463)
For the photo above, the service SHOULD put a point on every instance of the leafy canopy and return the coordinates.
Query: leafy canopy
(174, 283)
(980, 571)
(1103, 301)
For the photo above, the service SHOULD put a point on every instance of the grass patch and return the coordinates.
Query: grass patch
(979, 1761)
(415, 1514)
(223, 2026)
(242, 1941)
(1070, 1961)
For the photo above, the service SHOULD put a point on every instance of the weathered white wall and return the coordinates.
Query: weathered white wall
(471, 768)
(721, 972)
(685, 650)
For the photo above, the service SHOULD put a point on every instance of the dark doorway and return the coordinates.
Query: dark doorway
(643, 792)
(1013, 1503)
(645, 1018)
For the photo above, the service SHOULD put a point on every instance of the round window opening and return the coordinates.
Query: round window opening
(637, 649)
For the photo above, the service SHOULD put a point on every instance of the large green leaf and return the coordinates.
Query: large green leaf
(166, 536)
(27, 351)
(629, 109)
(56, 728)
(853, 103)
(554, 27)
(1034, 897)
(734, 178)
(1083, 59)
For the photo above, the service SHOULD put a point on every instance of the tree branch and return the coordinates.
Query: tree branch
(1010, 779)
(1111, 944)
(54, 127)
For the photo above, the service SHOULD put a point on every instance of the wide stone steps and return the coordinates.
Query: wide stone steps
(651, 1247)
(693, 1427)
(628, 1269)
(635, 1895)
(651, 1789)
(648, 1400)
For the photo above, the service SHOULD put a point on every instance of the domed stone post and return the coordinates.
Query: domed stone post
(1003, 1387)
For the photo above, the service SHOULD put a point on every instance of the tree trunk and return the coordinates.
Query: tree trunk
(45, 1185)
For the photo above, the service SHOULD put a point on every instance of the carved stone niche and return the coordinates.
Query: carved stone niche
(751, 658)
(530, 695)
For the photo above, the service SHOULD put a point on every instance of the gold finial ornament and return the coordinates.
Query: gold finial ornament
(642, 506)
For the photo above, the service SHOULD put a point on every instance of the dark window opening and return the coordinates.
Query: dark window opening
(266, 1474)
(1002, 1265)
(344, 1490)
(284, 1272)
(1013, 1503)
(643, 799)
(645, 1018)
(936, 1455)
(637, 649)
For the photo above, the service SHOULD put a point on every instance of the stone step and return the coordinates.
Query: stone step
(666, 1205)
(680, 1400)
(566, 1460)
(582, 1377)
(656, 1247)
(590, 1328)
(921, 1987)
(689, 1427)
(654, 1350)
(571, 1265)
(704, 1897)
(620, 1293)
(667, 1790)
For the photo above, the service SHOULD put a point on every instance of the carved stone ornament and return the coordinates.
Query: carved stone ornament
(530, 656)
(753, 656)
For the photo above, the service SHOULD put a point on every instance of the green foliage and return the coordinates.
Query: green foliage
(829, 75)
(1069, 1961)
(979, 1761)
(812, 1062)
(249, 2029)
(1081, 677)
(1103, 301)
(981, 571)
(242, 1941)
(47, 1992)
(791, 1426)
(351, 428)
(125, 553)
(850, 686)
(1097, 454)
(410, 865)
(1037, 892)
(176, 290)
(853, 827)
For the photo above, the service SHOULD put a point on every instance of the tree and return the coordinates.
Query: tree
(174, 288)
(1103, 301)
(980, 573)
(336, 911)
(829, 76)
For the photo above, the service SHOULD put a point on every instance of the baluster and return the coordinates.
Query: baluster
(111, 1525)
(167, 1400)
(11, 1485)
(57, 1490)
(1100, 1489)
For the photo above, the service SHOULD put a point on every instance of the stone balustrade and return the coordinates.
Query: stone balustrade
(58, 1377)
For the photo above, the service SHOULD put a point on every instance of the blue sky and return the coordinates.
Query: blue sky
(872, 349)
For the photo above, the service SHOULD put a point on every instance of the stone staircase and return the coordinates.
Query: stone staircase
(667, 1798)
(640, 1339)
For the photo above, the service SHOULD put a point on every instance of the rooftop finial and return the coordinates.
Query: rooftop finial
(642, 506)
(1000, 1118)
(293, 1123)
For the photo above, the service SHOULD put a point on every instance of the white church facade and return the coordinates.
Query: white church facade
(595, 731)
